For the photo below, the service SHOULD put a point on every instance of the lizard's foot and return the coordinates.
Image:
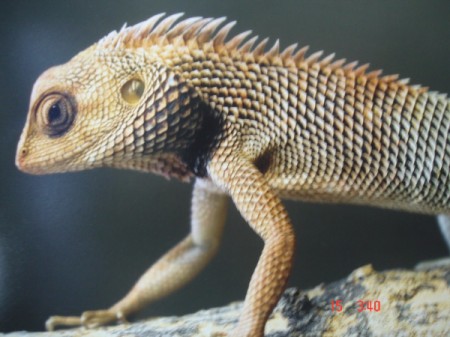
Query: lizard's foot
(89, 319)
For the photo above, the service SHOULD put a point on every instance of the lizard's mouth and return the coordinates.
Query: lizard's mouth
(45, 163)
(43, 166)
(20, 159)
(23, 161)
(26, 164)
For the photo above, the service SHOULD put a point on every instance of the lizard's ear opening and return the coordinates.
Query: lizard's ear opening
(132, 91)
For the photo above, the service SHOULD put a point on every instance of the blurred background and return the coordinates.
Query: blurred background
(78, 241)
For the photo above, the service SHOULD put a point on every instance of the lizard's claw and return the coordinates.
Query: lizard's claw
(56, 321)
(89, 319)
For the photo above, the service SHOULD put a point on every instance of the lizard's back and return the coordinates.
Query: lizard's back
(326, 133)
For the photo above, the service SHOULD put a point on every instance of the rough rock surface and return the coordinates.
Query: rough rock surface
(402, 303)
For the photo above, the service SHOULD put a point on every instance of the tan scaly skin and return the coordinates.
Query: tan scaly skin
(178, 99)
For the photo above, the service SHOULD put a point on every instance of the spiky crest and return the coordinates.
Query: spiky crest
(198, 31)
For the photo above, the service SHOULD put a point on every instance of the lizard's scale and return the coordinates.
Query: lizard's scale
(182, 99)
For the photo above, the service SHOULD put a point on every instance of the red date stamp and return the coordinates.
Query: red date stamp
(369, 305)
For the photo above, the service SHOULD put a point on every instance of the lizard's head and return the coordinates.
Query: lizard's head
(126, 102)
(76, 110)
(105, 107)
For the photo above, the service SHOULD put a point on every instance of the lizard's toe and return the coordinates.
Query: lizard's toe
(58, 321)
(89, 319)
(92, 319)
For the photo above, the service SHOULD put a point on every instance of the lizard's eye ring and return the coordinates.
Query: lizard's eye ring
(132, 91)
(55, 114)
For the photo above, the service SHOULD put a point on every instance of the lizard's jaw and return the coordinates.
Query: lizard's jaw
(45, 166)
(26, 165)
(35, 161)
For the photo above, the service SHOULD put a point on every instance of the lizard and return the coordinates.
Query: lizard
(249, 122)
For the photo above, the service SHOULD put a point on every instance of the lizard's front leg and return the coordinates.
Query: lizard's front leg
(171, 271)
(263, 211)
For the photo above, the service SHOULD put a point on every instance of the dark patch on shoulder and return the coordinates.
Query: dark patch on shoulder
(263, 162)
(206, 140)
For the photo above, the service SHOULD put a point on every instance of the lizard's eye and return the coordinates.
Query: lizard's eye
(132, 91)
(55, 114)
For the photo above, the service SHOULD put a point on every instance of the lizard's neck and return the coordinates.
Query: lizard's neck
(172, 133)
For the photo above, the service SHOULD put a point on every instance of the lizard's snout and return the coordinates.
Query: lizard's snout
(23, 163)
(21, 154)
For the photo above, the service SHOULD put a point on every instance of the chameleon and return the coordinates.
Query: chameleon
(245, 121)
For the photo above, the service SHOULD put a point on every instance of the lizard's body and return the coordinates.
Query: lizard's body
(174, 99)
(331, 136)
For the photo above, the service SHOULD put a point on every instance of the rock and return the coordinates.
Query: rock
(366, 303)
